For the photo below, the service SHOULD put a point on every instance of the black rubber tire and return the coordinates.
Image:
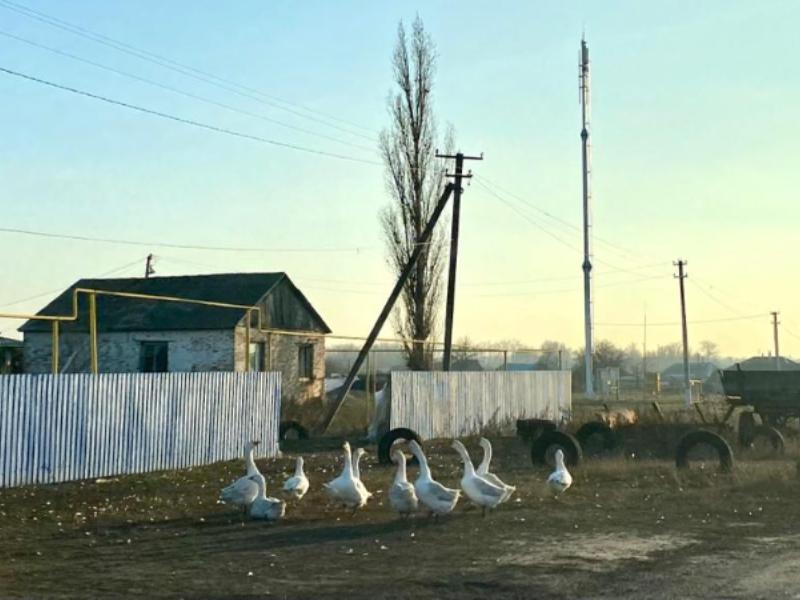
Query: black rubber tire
(287, 426)
(587, 430)
(389, 438)
(703, 436)
(541, 448)
(747, 423)
(773, 435)
(530, 429)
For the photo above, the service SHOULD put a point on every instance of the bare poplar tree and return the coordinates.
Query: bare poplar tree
(415, 180)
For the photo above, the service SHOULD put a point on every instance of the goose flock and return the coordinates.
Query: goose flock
(482, 487)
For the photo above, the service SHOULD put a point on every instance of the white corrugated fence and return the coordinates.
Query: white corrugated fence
(454, 404)
(57, 428)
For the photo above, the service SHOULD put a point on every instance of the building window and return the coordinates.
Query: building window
(153, 357)
(305, 361)
(258, 356)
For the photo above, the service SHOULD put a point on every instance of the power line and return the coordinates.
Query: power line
(673, 323)
(61, 289)
(170, 117)
(566, 290)
(524, 215)
(714, 298)
(557, 219)
(185, 70)
(181, 92)
(81, 238)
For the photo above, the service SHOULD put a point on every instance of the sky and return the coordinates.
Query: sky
(694, 129)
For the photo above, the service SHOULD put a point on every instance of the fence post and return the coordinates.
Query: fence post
(247, 341)
(93, 332)
(54, 340)
(505, 360)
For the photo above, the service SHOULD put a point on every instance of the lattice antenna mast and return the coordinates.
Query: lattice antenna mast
(588, 307)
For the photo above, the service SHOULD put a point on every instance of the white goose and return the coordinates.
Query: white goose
(345, 489)
(357, 471)
(402, 496)
(244, 490)
(438, 499)
(483, 470)
(268, 509)
(481, 492)
(297, 485)
(560, 479)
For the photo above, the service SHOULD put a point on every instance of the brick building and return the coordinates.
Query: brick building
(137, 335)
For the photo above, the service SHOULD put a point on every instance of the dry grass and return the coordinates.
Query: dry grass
(164, 535)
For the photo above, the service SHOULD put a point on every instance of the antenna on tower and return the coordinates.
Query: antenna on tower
(587, 216)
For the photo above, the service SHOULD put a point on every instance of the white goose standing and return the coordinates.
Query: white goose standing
(268, 509)
(483, 470)
(345, 489)
(438, 499)
(297, 485)
(481, 492)
(402, 496)
(357, 471)
(244, 490)
(560, 479)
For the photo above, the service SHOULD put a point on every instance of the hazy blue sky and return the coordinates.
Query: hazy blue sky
(694, 132)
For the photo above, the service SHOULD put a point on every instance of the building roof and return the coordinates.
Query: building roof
(10, 342)
(697, 370)
(126, 314)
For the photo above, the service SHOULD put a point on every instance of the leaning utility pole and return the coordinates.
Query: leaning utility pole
(775, 324)
(457, 176)
(421, 244)
(687, 384)
(148, 268)
(587, 218)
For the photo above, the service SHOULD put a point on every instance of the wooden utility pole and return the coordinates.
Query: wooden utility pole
(457, 176)
(775, 324)
(148, 268)
(687, 384)
(420, 245)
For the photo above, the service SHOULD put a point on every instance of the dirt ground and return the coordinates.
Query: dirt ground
(629, 528)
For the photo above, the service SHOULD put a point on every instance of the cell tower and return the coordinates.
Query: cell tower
(587, 216)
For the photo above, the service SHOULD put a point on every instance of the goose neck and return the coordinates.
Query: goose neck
(400, 477)
(250, 460)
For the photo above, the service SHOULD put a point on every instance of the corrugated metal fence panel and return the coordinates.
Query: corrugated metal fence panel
(454, 404)
(65, 427)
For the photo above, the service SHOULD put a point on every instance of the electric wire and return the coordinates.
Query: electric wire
(83, 238)
(184, 70)
(183, 92)
(184, 121)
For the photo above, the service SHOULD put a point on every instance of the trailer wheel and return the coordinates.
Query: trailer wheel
(772, 435)
(544, 448)
(388, 440)
(293, 429)
(708, 438)
(588, 431)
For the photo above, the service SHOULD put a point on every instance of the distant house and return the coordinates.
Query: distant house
(466, 364)
(10, 356)
(137, 335)
(672, 376)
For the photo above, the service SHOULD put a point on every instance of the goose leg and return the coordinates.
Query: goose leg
(483, 511)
